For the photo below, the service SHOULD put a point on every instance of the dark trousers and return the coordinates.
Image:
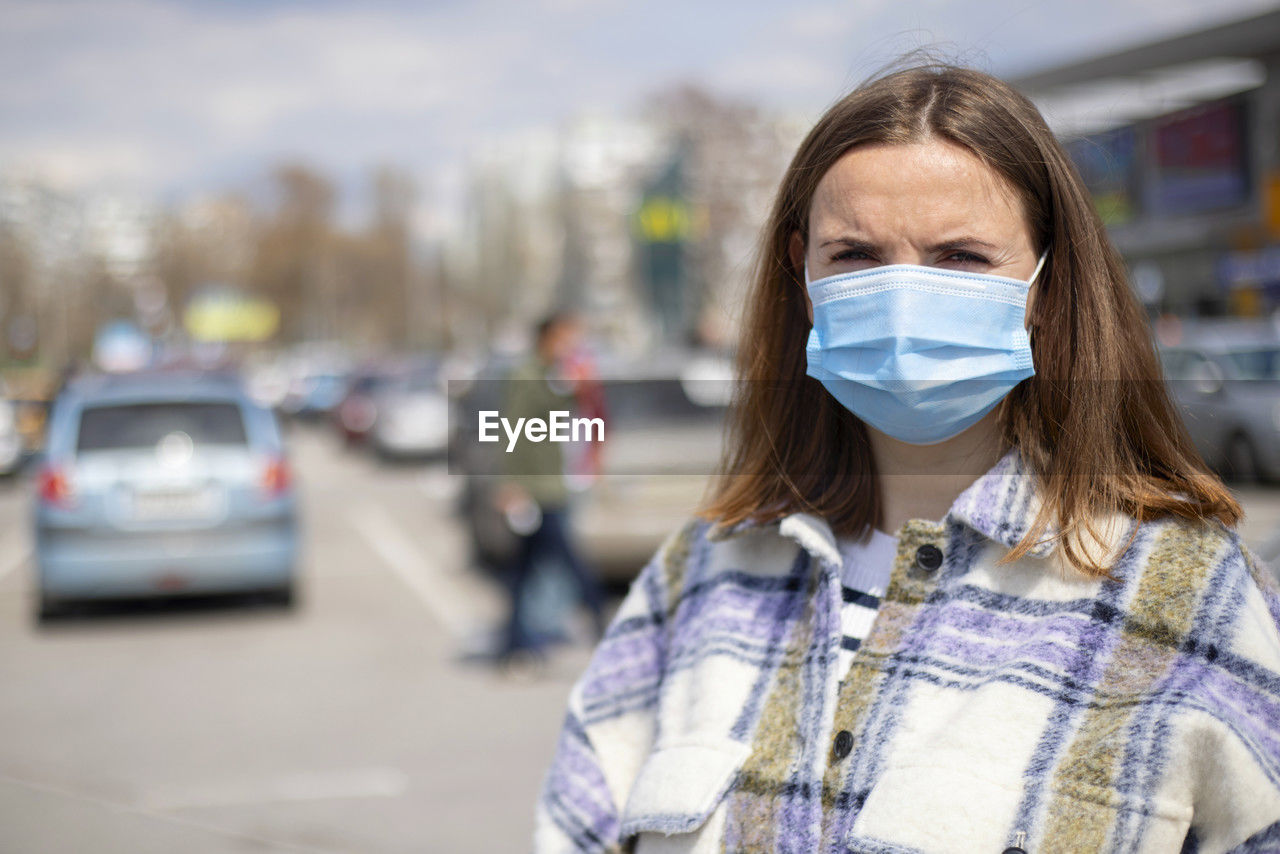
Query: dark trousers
(550, 542)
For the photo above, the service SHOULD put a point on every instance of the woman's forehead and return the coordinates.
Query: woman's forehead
(893, 192)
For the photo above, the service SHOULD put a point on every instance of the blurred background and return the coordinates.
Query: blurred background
(261, 261)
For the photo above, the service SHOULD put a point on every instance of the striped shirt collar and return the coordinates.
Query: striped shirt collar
(1001, 505)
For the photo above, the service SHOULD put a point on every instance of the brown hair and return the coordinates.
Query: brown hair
(1095, 423)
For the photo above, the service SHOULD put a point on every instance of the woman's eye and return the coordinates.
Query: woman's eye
(965, 258)
(850, 255)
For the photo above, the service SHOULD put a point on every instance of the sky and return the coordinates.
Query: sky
(166, 99)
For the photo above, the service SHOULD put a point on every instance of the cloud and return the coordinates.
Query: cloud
(164, 95)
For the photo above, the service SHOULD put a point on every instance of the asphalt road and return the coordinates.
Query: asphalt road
(354, 723)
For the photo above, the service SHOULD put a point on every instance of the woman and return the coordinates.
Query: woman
(965, 585)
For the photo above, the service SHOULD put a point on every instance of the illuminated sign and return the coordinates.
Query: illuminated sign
(1199, 159)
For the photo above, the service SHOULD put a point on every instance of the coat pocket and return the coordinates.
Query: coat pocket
(936, 808)
(946, 809)
(680, 785)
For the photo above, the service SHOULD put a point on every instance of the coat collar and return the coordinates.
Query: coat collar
(1001, 505)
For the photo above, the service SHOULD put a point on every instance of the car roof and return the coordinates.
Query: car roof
(157, 385)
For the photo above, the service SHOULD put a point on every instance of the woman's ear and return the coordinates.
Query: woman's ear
(795, 250)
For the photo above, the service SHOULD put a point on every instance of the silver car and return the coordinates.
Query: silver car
(410, 414)
(163, 484)
(1226, 378)
(10, 438)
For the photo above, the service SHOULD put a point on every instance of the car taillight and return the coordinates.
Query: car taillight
(275, 477)
(55, 486)
(358, 414)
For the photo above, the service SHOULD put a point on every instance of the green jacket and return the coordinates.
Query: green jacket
(538, 467)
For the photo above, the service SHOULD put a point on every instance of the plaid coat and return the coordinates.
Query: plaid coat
(989, 705)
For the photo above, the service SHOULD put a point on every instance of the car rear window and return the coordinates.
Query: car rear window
(142, 425)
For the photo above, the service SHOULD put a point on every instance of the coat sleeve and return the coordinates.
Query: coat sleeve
(611, 721)
(1238, 807)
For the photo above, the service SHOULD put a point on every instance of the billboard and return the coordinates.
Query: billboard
(1199, 160)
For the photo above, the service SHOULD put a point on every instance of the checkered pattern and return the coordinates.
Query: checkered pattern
(1139, 713)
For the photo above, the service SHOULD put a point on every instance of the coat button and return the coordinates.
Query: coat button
(844, 744)
(929, 557)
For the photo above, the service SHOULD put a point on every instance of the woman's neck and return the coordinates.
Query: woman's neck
(922, 481)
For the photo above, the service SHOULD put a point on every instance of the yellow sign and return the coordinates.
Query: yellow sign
(1271, 203)
(231, 319)
(664, 220)
(1247, 302)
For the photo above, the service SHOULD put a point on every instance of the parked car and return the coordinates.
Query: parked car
(30, 391)
(11, 446)
(355, 414)
(662, 444)
(663, 432)
(1226, 378)
(163, 484)
(312, 396)
(411, 414)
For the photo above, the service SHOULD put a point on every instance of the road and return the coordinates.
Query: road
(349, 724)
(352, 724)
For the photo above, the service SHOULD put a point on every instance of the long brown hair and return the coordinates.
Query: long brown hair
(1095, 424)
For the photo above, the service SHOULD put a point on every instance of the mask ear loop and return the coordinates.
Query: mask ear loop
(1034, 273)
(1031, 327)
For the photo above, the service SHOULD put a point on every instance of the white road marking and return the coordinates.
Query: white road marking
(11, 562)
(434, 589)
(315, 786)
(180, 821)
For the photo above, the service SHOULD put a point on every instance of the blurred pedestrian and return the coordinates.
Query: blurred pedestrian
(585, 459)
(534, 497)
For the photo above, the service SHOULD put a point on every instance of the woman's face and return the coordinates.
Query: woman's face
(933, 204)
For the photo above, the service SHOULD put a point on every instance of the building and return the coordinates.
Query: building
(1179, 141)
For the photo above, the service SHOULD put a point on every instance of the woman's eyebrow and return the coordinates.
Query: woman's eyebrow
(852, 243)
(964, 243)
(947, 245)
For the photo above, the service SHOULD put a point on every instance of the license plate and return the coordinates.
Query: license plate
(154, 505)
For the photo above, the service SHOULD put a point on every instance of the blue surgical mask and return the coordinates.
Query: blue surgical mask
(919, 353)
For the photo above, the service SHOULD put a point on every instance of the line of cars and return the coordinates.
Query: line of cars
(399, 409)
(176, 483)
(396, 405)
